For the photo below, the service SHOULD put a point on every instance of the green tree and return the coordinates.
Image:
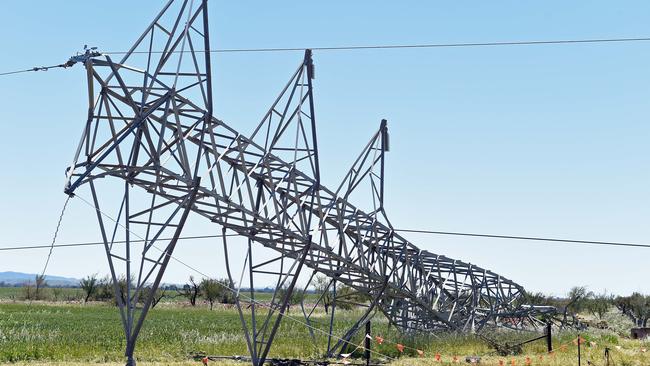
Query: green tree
(640, 309)
(623, 304)
(537, 298)
(347, 297)
(89, 285)
(578, 298)
(599, 305)
(158, 295)
(216, 290)
(323, 288)
(296, 297)
(105, 291)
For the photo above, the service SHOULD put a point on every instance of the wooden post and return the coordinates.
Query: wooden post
(549, 343)
(579, 350)
(367, 340)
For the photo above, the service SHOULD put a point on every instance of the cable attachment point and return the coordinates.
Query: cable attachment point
(87, 54)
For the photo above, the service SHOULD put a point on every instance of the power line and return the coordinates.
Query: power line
(432, 232)
(402, 46)
(533, 238)
(371, 47)
(38, 68)
(92, 243)
(56, 233)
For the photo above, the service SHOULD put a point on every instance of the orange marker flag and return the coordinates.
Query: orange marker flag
(379, 339)
(400, 347)
(420, 352)
(528, 361)
(513, 362)
(205, 360)
(500, 362)
(438, 357)
(455, 359)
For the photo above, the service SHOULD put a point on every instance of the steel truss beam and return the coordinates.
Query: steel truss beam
(151, 131)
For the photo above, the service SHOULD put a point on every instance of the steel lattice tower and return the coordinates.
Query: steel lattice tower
(152, 152)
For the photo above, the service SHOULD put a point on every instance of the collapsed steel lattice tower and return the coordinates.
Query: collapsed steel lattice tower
(152, 135)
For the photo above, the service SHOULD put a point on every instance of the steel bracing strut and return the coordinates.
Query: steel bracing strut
(152, 152)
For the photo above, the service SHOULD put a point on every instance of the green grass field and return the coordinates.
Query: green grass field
(92, 332)
(58, 333)
(76, 294)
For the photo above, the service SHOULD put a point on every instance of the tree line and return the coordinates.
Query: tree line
(329, 294)
(580, 300)
(210, 290)
(94, 288)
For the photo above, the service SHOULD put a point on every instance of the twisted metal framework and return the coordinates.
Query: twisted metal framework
(152, 152)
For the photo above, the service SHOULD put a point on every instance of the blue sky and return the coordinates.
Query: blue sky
(526, 140)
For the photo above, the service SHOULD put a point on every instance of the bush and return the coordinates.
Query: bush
(296, 297)
(89, 285)
(35, 290)
(599, 305)
(216, 290)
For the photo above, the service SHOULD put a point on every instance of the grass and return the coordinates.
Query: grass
(56, 334)
(59, 332)
(59, 294)
(70, 294)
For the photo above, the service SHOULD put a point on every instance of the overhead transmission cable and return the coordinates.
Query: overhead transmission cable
(402, 46)
(56, 233)
(41, 277)
(532, 238)
(37, 68)
(369, 47)
(93, 243)
(430, 232)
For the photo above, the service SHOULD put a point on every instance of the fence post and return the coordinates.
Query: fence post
(579, 349)
(367, 340)
(549, 343)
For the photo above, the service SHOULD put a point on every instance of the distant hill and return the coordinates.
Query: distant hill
(19, 278)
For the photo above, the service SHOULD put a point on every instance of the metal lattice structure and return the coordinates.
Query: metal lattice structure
(152, 153)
